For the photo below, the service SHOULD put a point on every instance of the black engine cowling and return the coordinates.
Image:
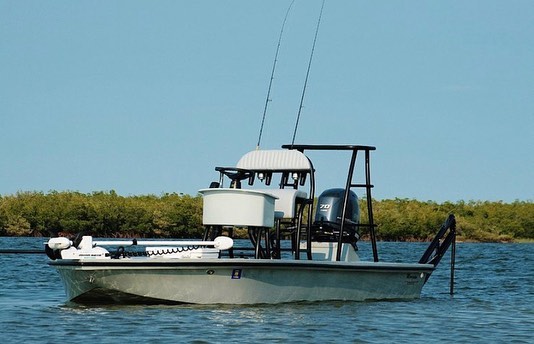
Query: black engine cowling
(327, 222)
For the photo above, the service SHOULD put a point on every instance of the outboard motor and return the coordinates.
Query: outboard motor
(327, 223)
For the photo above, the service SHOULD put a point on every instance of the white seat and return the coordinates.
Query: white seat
(285, 206)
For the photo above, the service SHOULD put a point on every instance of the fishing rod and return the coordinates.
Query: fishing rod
(267, 100)
(307, 74)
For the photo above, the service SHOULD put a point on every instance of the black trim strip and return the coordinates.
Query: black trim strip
(244, 264)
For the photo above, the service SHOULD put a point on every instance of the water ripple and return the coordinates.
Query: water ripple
(494, 303)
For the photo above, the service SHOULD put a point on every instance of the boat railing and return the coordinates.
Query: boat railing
(354, 149)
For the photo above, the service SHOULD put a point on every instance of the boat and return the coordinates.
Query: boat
(299, 248)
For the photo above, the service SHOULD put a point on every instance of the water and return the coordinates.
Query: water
(494, 303)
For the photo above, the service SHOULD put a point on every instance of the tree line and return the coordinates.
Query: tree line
(107, 214)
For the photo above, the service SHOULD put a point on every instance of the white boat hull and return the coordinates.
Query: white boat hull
(237, 281)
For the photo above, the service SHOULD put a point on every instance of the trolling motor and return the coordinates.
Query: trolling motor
(87, 248)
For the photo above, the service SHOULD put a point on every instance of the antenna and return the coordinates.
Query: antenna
(307, 74)
(267, 100)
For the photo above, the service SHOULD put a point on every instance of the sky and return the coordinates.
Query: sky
(148, 97)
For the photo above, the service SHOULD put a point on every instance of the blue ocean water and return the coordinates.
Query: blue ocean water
(493, 303)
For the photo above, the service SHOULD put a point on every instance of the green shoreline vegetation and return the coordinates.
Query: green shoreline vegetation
(107, 214)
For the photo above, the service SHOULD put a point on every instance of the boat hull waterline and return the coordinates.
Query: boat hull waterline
(238, 281)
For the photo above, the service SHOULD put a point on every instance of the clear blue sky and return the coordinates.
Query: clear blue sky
(146, 97)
